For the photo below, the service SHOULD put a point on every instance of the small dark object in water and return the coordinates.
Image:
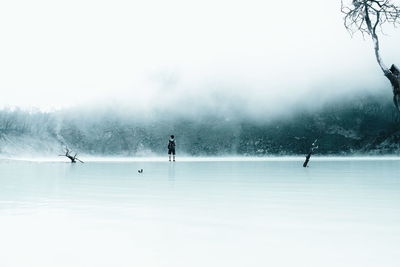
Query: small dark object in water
(140, 171)
(308, 156)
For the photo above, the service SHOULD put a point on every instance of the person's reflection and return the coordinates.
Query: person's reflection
(171, 172)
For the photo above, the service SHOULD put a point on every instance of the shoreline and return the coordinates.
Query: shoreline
(203, 159)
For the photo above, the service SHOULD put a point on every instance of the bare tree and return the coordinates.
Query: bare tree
(368, 17)
(72, 158)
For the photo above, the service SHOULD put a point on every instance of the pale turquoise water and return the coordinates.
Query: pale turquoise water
(226, 213)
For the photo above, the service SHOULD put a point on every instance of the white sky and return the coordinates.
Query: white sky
(147, 53)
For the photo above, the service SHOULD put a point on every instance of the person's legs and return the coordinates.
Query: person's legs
(169, 154)
(173, 153)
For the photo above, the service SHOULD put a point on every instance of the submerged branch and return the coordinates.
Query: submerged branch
(72, 158)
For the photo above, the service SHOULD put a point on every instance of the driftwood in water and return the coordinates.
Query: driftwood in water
(72, 158)
(308, 156)
(307, 159)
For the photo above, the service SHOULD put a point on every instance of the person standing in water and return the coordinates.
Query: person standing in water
(171, 147)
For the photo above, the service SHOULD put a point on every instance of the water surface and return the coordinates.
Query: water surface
(200, 213)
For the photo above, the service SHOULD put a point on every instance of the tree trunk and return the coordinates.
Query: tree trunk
(393, 74)
(71, 158)
(375, 39)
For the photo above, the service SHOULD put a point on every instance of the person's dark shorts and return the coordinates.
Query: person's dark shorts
(171, 151)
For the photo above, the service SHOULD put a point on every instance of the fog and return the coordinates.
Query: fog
(251, 78)
(185, 57)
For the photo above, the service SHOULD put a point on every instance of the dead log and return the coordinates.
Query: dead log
(308, 156)
(72, 158)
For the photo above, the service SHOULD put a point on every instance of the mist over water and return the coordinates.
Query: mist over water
(362, 125)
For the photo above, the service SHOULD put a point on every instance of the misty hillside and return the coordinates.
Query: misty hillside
(366, 125)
